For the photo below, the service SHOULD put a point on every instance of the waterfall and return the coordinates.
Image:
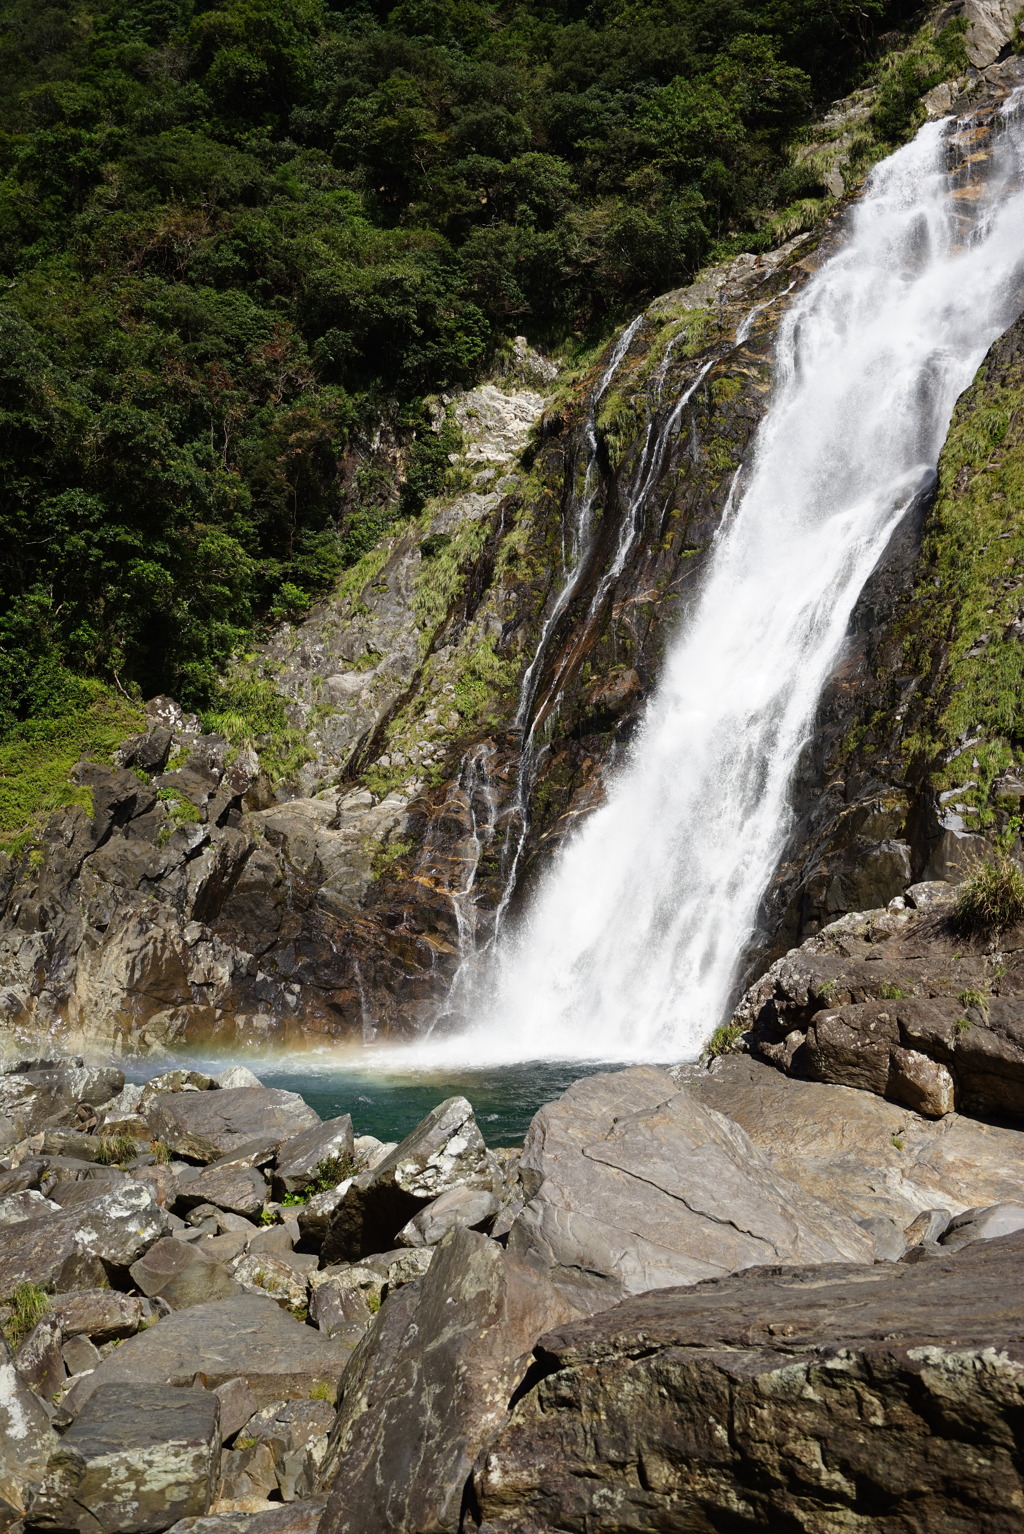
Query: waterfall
(631, 945)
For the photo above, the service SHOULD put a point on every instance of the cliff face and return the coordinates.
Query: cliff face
(453, 708)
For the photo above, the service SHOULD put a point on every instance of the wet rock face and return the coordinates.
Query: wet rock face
(899, 1004)
(881, 1397)
(894, 786)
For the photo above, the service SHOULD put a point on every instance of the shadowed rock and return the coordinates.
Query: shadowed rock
(428, 1386)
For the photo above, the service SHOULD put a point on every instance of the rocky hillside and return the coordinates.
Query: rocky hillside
(396, 769)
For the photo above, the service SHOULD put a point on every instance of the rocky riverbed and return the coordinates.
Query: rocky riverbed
(715, 1297)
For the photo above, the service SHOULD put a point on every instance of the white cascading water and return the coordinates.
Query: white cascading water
(631, 946)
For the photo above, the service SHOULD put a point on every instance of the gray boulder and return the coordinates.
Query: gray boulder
(812, 1398)
(39, 1360)
(204, 1126)
(181, 1275)
(85, 1246)
(429, 1385)
(43, 1098)
(632, 1184)
(444, 1152)
(136, 1459)
(104, 1315)
(983, 1225)
(246, 1337)
(237, 1405)
(475, 1208)
(233, 1186)
(299, 1157)
(292, 1518)
(857, 1153)
(26, 1442)
(296, 1433)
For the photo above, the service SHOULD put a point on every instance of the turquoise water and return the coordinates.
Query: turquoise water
(389, 1105)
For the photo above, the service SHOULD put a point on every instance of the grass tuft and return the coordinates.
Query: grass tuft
(29, 1303)
(991, 897)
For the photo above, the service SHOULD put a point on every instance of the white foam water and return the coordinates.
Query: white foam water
(631, 946)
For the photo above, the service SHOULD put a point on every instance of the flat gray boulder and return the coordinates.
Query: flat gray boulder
(446, 1151)
(815, 1398)
(246, 1337)
(204, 1126)
(631, 1184)
(429, 1385)
(136, 1460)
(856, 1152)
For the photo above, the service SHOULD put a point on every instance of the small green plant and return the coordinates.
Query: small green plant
(962, 1024)
(992, 895)
(245, 1443)
(29, 1303)
(828, 991)
(897, 1142)
(321, 1392)
(160, 1152)
(327, 1174)
(973, 999)
(115, 1150)
(373, 1301)
(894, 992)
(722, 1040)
(268, 1216)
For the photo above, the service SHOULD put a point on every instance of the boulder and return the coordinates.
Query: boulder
(899, 1004)
(47, 1094)
(983, 1225)
(824, 1397)
(181, 1275)
(422, 1397)
(296, 1433)
(246, 1337)
(299, 1157)
(237, 1405)
(268, 1273)
(80, 1355)
(349, 1292)
(29, 1204)
(632, 1184)
(473, 1207)
(863, 1156)
(444, 1152)
(26, 1442)
(293, 1518)
(233, 1186)
(39, 1360)
(102, 1314)
(136, 1459)
(84, 1246)
(205, 1126)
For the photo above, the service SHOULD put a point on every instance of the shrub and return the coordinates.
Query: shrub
(894, 993)
(992, 895)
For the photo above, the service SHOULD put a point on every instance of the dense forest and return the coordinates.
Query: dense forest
(233, 231)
